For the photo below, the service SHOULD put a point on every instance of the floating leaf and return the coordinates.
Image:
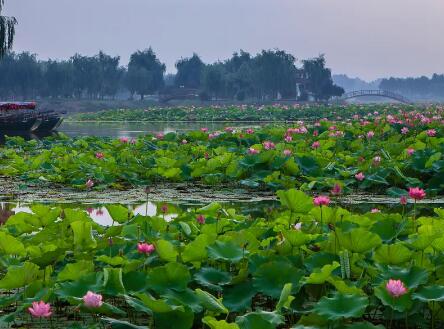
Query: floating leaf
(341, 306)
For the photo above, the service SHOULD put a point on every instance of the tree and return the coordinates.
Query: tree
(274, 73)
(7, 31)
(110, 74)
(189, 72)
(145, 73)
(319, 80)
(213, 79)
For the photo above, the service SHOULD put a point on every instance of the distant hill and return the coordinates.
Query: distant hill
(351, 84)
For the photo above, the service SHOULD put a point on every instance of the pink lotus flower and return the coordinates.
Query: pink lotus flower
(288, 138)
(249, 131)
(213, 135)
(417, 193)
(404, 130)
(375, 211)
(321, 200)
(133, 141)
(396, 288)
(298, 226)
(370, 134)
(410, 151)
(124, 139)
(403, 200)
(145, 248)
(268, 145)
(315, 145)
(253, 151)
(315, 133)
(287, 153)
(377, 160)
(40, 310)
(92, 300)
(100, 155)
(360, 177)
(160, 135)
(184, 141)
(89, 183)
(204, 129)
(164, 208)
(200, 219)
(229, 129)
(336, 190)
(431, 132)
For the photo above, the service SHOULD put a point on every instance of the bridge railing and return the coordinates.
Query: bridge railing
(375, 92)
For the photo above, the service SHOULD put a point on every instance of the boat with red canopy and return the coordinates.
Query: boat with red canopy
(25, 117)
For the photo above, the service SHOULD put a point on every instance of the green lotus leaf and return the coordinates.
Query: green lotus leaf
(270, 278)
(295, 200)
(158, 305)
(237, 298)
(387, 229)
(260, 320)
(46, 214)
(432, 293)
(358, 240)
(196, 251)
(226, 251)
(400, 304)
(112, 281)
(322, 275)
(211, 303)
(341, 306)
(171, 276)
(218, 324)
(75, 271)
(78, 288)
(177, 319)
(285, 299)
(118, 213)
(83, 237)
(113, 261)
(297, 238)
(10, 245)
(18, 276)
(392, 254)
(212, 278)
(166, 251)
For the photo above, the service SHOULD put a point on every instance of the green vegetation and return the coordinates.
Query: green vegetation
(304, 264)
(241, 113)
(378, 153)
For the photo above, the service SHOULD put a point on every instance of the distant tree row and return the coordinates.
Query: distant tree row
(269, 75)
(420, 88)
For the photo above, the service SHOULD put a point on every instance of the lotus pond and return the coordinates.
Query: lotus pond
(301, 262)
(270, 227)
(382, 154)
(238, 113)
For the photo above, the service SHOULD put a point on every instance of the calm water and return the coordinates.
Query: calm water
(134, 129)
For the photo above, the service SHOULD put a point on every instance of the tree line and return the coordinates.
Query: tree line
(419, 88)
(268, 75)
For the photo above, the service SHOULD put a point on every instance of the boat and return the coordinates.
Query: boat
(25, 117)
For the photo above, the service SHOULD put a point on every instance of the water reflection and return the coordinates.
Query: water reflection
(99, 214)
(134, 129)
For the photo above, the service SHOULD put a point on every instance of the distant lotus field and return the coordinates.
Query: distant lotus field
(307, 260)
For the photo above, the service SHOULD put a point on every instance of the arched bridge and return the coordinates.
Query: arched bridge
(375, 93)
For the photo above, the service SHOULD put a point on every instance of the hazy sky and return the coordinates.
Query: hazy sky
(365, 38)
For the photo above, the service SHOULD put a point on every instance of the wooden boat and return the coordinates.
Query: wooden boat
(24, 117)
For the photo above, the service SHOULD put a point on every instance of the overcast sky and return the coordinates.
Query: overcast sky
(365, 38)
